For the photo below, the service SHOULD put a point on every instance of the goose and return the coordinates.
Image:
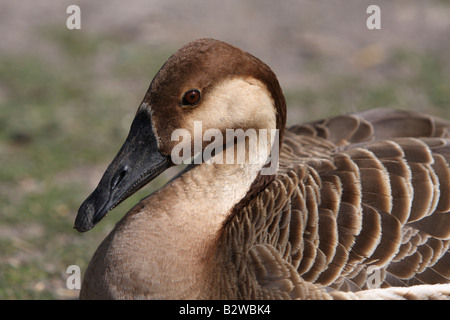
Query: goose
(356, 208)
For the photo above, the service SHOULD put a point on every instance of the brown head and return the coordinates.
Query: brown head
(203, 65)
(207, 80)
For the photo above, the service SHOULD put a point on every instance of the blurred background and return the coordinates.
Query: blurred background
(67, 97)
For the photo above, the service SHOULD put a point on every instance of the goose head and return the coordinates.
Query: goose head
(208, 82)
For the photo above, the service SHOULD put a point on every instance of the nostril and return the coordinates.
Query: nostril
(119, 177)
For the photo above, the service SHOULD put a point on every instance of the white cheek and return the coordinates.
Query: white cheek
(238, 103)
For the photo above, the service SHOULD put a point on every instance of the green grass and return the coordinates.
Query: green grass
(406, 80)
(63, 120)
(58, 126)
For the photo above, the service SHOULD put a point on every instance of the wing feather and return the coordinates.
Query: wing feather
(355, 193)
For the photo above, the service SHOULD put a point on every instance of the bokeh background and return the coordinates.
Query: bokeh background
(67, 97)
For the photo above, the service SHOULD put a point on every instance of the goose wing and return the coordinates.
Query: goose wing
(361, 201)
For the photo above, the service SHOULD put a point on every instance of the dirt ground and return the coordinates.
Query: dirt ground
(285, 34)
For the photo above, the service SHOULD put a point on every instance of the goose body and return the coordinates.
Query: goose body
(358, 207)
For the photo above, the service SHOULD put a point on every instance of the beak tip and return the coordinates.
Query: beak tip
(83, 228)
(138, 162)
(84, 220)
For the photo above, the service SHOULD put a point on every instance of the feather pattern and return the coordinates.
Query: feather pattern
(350, 198)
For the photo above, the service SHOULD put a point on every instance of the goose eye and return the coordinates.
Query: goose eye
(191, 97)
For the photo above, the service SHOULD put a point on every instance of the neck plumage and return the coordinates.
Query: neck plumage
(165, 246)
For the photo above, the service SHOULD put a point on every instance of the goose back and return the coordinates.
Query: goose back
(361, 201)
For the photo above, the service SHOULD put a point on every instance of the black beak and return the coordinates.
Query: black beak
(137, 163)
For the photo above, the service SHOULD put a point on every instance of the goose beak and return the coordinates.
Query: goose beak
(137, 163)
